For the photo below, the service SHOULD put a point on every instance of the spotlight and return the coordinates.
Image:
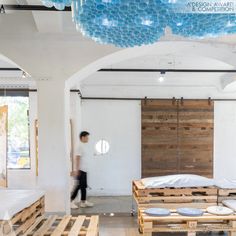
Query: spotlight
(2, 10)
(162, 76)
(24, 75)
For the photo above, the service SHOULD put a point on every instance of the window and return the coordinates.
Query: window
(102, 147)
(18, 155)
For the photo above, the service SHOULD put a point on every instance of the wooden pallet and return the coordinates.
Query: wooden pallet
(200, 197)
(225, 194)
(22, 220)
(190, 225)
(64, 226)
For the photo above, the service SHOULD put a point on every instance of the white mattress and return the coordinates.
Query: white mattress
(226, 184)
(230, 203)
(177, 181)
(14, 201)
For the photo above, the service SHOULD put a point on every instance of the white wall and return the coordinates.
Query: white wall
(53, 116)
(75, 118)
(113, 173)
(118, 122)
(27, 178)
(224, 140)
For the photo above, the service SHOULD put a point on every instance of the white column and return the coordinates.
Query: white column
(53, 108)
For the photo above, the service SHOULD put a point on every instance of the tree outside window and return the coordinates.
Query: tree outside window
(18, 132)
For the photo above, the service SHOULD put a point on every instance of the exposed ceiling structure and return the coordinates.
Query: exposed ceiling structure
(56, 29)
(144, 83)
(60, 22)
(13, 77)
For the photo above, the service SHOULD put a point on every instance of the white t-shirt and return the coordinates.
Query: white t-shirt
(82, 151)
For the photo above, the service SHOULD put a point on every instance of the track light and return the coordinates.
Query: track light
(2, 10)
(24, 75)
(162, 76)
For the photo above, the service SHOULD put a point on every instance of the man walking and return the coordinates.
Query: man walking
(81, 167)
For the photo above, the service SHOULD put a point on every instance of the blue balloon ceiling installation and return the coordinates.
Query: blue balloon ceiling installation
(58, 4)
(202, 25)
(129, 23)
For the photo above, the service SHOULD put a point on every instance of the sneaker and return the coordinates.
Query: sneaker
(73, 205)
(86, 204)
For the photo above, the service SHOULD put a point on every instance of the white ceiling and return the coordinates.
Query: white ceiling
(5, 63)
(13, 79)
(110, 81)
(47, 27)
(61, 22)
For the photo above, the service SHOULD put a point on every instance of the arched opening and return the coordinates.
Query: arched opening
(104, 117)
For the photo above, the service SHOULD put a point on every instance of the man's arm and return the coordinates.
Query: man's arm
(77, 163)
(77, 166)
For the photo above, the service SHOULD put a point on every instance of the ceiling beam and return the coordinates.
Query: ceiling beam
(169, 70)
(31, 8)
(9, 69)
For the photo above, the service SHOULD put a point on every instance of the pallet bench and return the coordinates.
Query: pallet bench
(200, 197)
(64, 226)
(226, 194)
(20, 222)
(189, 225)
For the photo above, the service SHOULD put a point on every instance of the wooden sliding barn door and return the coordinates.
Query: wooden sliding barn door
(177, 137)
(159, 137)
(196, 123)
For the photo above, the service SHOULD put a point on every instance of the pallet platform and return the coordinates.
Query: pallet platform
(200, 197)
(22, 220)
(64, 226)
(189, 225)
(226, 194)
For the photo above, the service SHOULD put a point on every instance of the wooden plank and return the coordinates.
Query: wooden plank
(227, 192)
(46, 226)
(191, 225)
(34, 225)
(93, 226)
(75, 230)
(27, 223)
(22, 221)
(66, 225)
(62, 225)
(176, 217)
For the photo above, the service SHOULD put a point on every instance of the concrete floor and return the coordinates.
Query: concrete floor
(122, 204)
(115, 217)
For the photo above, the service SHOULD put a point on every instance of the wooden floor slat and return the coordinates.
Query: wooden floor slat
(36, 223)
(62, 226)
(92, 226)
(75, 230)
(46, 226)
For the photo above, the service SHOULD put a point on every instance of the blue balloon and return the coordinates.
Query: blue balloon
(141, 22)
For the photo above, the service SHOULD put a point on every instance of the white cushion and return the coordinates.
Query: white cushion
(226, 184)
(14, 201)
(177, 181)
(230, 203)
(220, 210)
